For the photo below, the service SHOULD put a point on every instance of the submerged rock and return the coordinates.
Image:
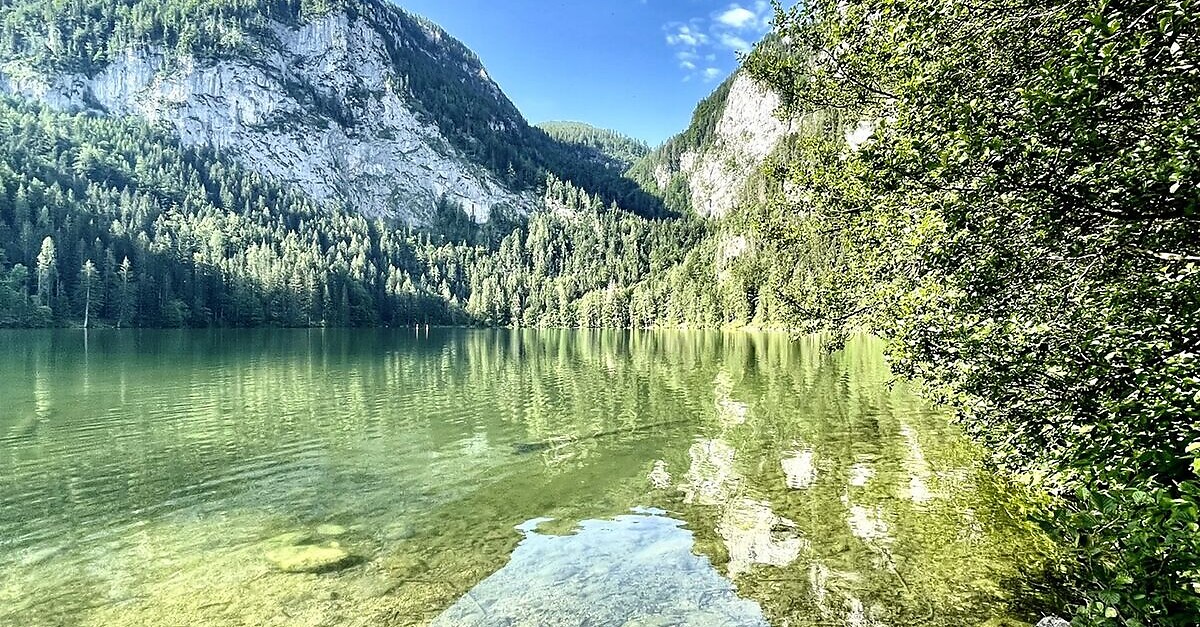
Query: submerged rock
(309, 559)
(525, 448)
(408, 566)
(401, 531)
(331, 530)
(1005, 622)
(654, 621)
(558, 527)
(291, 538)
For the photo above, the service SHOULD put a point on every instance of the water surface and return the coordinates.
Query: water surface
(488, 478)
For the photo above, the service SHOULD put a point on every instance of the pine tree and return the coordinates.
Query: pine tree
(125, 298)
(86, 274)
(47, 271)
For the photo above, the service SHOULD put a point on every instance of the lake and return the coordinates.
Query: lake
(489, 477)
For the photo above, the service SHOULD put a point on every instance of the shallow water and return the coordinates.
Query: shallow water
(488, 478)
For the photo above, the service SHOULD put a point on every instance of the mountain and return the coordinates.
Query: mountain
(611, 149)
(297, 163)
(356, 102)
(704, 168)
(110, 219)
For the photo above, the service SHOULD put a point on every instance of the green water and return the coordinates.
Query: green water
(488, 478)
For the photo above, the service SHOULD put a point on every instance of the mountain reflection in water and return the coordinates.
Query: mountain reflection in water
(489, 477)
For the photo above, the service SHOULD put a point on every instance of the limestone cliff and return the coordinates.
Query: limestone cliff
(732, 132)
(325, 102)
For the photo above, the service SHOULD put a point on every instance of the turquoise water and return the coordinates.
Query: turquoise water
(488, 478)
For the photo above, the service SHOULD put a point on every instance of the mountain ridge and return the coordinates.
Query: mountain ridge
(617, 150)
(198, 219)
(358, 102)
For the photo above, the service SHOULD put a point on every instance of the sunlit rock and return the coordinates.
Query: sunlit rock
(731, 247)
(388, 161)
(746, 133)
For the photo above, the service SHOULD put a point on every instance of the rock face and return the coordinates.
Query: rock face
(744, 135)
(321, 105)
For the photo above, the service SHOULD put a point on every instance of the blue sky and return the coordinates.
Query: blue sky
(637, 66)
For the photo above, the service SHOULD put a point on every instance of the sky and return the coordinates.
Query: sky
(636, 66)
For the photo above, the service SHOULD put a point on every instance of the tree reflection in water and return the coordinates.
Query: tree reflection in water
(788, 485)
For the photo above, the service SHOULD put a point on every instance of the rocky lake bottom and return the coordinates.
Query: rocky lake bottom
(457, 477)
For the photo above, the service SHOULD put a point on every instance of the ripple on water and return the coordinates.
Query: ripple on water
(146, 480)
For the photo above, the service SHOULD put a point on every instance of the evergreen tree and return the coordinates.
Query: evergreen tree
(125, 299)
(87, 275)
(47, 271)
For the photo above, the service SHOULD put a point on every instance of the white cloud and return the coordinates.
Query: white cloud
(687, 36)
(733, 42)
(700, 42)
(753, 17)
(737, 17)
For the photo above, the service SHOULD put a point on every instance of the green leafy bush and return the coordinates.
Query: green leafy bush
(1024, 224)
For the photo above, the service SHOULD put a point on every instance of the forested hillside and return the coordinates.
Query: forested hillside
(115, 214)
(113, 221)
(1017, 210)
(619, 151)
(106, 220)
